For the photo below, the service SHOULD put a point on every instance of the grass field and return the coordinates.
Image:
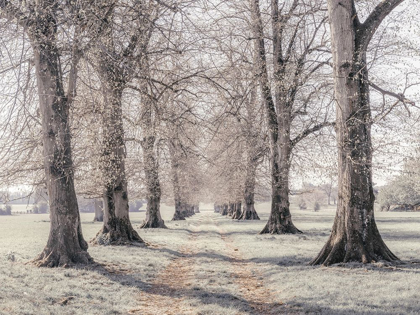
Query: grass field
(210, 264)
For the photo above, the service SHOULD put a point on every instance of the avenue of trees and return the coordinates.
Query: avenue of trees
(189, 101)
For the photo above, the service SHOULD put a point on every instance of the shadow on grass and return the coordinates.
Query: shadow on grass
(205, 296)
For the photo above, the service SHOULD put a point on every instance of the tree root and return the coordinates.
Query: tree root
(123, 235)
(58, 257)
(278, 228)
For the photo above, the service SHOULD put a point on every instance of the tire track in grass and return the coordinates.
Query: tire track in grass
(167, 294)
(250, 281)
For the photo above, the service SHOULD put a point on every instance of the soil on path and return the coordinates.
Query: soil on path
(209, 270)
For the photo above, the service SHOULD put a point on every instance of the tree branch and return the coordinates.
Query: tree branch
(309, 131)
(368, 28)
(400, 97)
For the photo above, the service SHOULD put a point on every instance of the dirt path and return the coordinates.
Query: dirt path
(210, 270)
(167, 295)
(250, 280)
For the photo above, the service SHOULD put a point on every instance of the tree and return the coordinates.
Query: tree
(66, 245)
(113, 57)
(403, 190)
(294, 42)
(354, 236)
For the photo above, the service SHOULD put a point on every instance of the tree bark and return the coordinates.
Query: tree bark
(280, 220)
(66, 245)
(237, 210)
(153, 217)
(180, 209)
(190, 210)
(117, 228)
(354, 236)
(99, 212)
(196, 209)
(248, 210)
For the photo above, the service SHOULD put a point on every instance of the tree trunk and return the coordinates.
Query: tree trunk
(354, 236)
(66, 245)
(180, 211)
(196, 209)
(99, 212)
(248, 211)
(190, 210)
(231, 208)
(224, 209)
(237, 210)
(280, 220)
(117, 228)
(153, 217)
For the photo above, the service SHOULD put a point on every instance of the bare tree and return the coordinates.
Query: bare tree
(292, 70)
(66, 245)
(114, 63)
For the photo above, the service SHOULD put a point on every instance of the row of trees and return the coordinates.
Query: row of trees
(144, 97)
(300, 44)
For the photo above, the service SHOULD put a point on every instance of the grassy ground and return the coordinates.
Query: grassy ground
(210, 265)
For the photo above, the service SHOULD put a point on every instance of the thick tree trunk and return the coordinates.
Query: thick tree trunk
(237, 210)
(280, 220)
(66, 245)
(196, 209)
(117, 228)
(354, 236)
(153, 217)
(181, 211)
(99, 212)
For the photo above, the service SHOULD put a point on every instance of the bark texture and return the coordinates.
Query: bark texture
(354, 236)
(255, 151)
(248, 210)
(153, 217)
(237, 210)
(117, 228)
(66, 245)
(181, 212)
(280, 220)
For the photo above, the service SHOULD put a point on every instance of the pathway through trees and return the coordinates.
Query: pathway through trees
(209, 270)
